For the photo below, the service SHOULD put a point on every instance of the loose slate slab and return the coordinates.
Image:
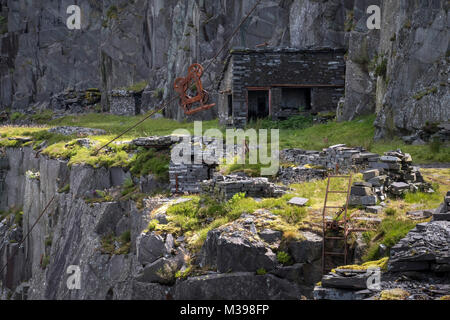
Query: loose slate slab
(369, 174)
(301, 202)
(374, 209)
(390, 159)
(419, 215)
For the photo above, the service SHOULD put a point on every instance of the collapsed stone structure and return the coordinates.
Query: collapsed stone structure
(279, 83)
(76, 101)
(391, 174)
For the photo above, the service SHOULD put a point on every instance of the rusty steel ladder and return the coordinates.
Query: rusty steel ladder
(334, 224)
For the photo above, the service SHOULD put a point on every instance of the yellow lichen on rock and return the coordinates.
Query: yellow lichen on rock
(382, 264)
(394, 294)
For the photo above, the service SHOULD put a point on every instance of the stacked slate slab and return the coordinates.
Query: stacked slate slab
(339, 156)
(389, 175)
(225, 187)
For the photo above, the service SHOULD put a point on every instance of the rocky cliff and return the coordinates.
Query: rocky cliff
(119, 256)
(122, 43)
(399, 71)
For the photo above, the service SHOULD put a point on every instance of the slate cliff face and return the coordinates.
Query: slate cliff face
(74, 232)
(122, 43)
(401, 71)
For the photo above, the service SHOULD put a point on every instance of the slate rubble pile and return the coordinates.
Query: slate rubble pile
(440, 132)
(291, 175)
(75, 101)
(388, 175)
(78, 131)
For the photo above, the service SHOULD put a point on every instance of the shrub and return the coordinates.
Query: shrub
(65, 189)
(283, 258)
(45, 261)
(152, 225)
(381, 68)
(125, 237)
(261, 272)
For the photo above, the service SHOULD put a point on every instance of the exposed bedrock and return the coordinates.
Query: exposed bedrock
(237, 261)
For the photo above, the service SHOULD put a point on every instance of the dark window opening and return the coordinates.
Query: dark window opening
(296, 99)
(230, 105)
(258, 104)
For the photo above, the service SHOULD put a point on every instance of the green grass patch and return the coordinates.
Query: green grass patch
(112, 245)
(390, 232)
(151, 161)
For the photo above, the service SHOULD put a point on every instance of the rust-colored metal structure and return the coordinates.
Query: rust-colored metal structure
(185, 87)
(339, 228)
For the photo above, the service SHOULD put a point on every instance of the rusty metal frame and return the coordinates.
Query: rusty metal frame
(335, 224)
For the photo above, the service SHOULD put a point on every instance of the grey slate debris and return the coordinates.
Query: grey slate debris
(78, 131)
(225, 187)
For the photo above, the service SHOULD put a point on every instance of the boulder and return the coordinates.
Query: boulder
(237, 247)
(350, 279)
(149, 291)
(270, 236)
(150, 247)
(307, 250)
(425, 248)
(161, 271)
(369, 200)
(236, 286)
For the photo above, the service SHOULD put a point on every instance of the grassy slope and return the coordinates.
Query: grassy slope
(354, 133)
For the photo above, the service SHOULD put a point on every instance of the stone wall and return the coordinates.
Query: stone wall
(124, 102)
(322, 71)
(338, 156)
(225, 187)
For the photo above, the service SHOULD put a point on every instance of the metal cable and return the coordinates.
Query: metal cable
(8, 259)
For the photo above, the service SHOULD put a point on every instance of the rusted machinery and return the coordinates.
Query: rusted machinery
(193, 97)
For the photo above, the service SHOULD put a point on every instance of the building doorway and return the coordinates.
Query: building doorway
(258, 104)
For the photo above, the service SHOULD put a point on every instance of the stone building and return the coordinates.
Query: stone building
(279, 83)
